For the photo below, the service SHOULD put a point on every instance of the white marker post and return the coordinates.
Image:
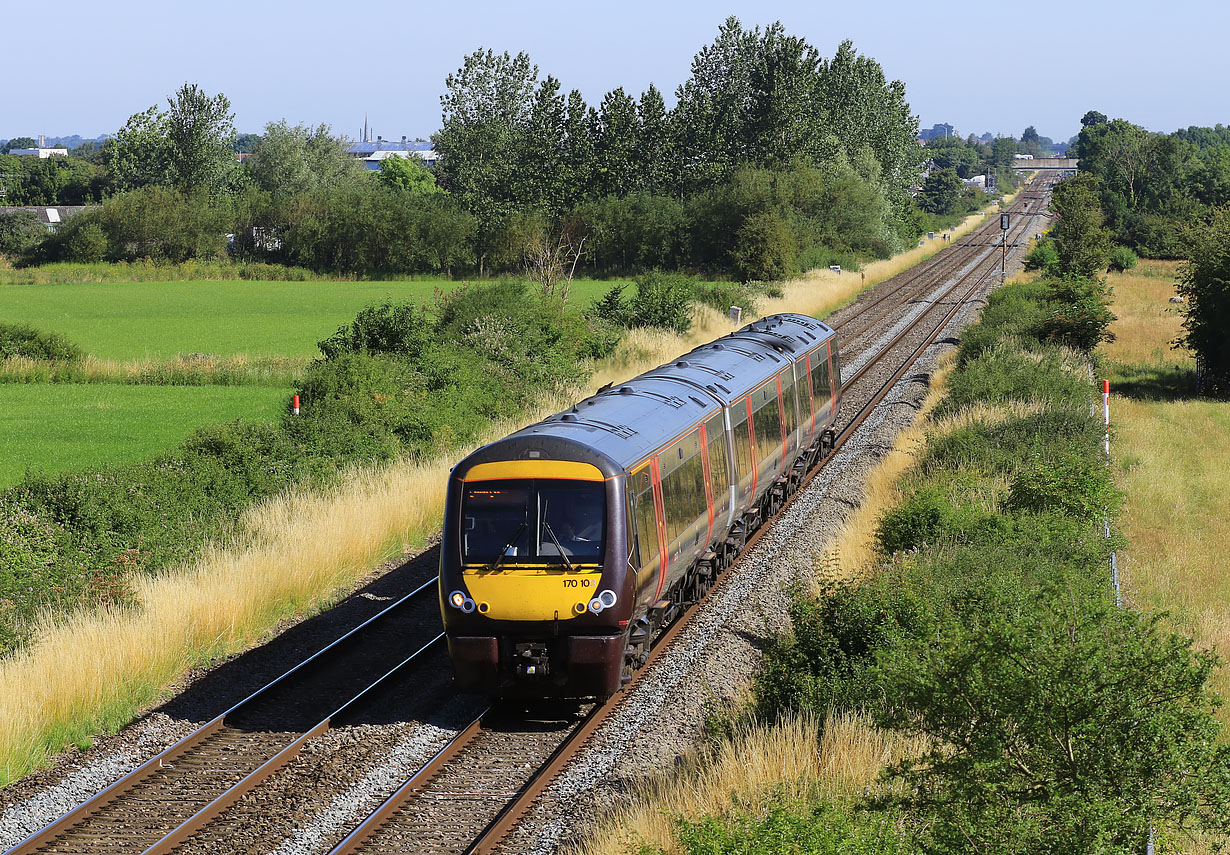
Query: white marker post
(1114, 559)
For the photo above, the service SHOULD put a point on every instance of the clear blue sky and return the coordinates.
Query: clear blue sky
(84, 67)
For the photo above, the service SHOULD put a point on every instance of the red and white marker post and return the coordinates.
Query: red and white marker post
(294, 404)
(1106, 413)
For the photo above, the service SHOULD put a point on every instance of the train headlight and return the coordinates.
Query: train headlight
(604, 600)
(459, 600)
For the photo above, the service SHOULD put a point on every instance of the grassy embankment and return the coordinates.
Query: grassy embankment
(1173, 450)
(94, 672)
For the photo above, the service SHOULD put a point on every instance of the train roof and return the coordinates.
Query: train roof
(625, 423)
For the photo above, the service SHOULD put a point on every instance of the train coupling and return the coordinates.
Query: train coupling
(532, 659)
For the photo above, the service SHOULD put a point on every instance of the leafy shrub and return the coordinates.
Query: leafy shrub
(1122, 258)
(25, 341)
(765, 247)
(662, 300)
(1044, 257)
(929, 518)
(20, 231)
(1080, 313)
(86, 245)
(805, 827)
(1074, 484)
(401, 328)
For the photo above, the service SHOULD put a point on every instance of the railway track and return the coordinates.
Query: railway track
(163, 802)
(478, 787)
(488, 780)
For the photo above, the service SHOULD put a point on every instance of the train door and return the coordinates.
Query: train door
(790, 416)
(719, 474)
(645, 538)
(821, 391)
(744, 478)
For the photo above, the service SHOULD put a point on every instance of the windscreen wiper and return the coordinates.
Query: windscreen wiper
(546, 525)
(495, 565)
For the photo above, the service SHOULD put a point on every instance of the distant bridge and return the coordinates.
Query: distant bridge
(1061, 163)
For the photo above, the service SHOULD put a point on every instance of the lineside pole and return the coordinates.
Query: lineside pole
(1114, 559)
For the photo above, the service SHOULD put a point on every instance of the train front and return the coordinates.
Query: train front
(535, 589)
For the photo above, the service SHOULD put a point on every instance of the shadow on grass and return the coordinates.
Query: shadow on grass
(1153, 381)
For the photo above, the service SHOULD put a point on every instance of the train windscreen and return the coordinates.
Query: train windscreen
(539, 521)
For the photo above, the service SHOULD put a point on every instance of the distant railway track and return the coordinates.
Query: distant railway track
(477, 788)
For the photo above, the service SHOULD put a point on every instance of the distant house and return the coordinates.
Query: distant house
(52, 216)
(372, 153)
(40, 153)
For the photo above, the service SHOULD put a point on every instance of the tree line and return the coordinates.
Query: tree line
(773, 159)
(1161, 196)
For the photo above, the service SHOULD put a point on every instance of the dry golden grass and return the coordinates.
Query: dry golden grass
(1147, 320)
(94, 672)
(1174, 457)
(758, 764)
(852, 550)
(182, 370)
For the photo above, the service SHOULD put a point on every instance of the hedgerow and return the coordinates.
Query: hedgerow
(1055, 721)
(398, 381)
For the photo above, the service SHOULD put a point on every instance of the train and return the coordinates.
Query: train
(569, 544)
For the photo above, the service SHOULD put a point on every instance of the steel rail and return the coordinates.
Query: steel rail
(171, 756)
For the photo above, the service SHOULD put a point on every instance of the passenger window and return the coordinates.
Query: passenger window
(646, 527)
(767, 421)
(788, 403)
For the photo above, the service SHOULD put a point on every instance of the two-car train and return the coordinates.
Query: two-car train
(569, 543)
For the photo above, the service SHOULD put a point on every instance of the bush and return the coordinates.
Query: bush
(815, 827)
(1075, 484)
(402, 328)
(20, 232)
(25, 341)
(662, 300)
(1122, 258)
(86, 245)
(1080, 313)
(1044, 257)
(765, 247)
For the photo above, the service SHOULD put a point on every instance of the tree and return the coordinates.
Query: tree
(541, 176)
(941, 191)
(139, 153)
(18, 142)
(1030, 142)
(1204, 283)
(200, 136)
(1055, 723)
(579, 156)
(289, 160)
(1093, 117)
(653, 145)
(408, 174)
(486, 108)
(615, 154)
(1083, 242)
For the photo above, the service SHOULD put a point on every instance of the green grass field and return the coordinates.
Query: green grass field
(64, 427)
(158, 320)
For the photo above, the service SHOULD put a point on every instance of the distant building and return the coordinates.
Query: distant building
(372, 152)
(937, 132)
(40, 153)
(49, 216)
